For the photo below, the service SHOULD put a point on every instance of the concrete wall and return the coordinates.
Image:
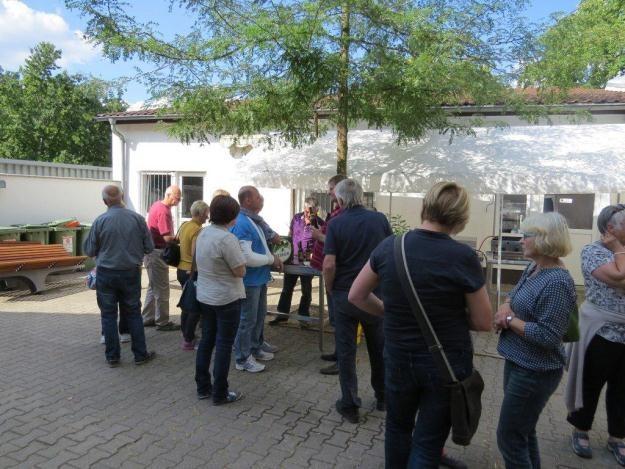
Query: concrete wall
(34, 199)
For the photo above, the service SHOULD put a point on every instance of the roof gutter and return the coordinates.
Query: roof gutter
(122, 139)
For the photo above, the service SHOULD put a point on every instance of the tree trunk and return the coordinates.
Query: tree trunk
(343, 95)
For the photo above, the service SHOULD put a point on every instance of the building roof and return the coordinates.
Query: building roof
(593, 100)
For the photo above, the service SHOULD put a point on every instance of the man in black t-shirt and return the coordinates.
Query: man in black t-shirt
(350, 239)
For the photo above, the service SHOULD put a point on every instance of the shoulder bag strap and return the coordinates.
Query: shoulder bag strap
(431, 339)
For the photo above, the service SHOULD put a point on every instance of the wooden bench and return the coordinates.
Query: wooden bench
(34, 262)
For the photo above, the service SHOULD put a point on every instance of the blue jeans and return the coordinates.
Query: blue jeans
(120, 288)
(249, 337)
(219, 327)
(347, 317)
(526, 393)
(414, 391)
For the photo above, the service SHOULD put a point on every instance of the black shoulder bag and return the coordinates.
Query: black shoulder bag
(466, 395)
(188, 298)
(171, 252)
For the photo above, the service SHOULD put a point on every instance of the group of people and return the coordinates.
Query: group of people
(230, 261)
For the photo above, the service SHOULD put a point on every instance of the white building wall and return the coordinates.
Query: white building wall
(151, 150)
(35, 199)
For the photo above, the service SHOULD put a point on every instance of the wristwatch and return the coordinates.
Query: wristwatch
(508, 320)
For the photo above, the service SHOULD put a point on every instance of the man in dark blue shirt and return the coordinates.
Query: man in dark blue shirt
(119, 238)
(349, 242)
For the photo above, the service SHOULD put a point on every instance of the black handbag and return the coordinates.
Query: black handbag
(188, 299)
(466, 395)
(171, 252)
(572, 332)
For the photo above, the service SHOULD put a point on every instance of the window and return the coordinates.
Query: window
(576, 208)
(514, 210)
(192, 190)
(152, 189)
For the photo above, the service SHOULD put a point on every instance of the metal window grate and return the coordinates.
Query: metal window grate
(152, 189)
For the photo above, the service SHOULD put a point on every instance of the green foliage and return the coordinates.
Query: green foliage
(399, 225)
(584, 48)
(47, 114)
(247, 67)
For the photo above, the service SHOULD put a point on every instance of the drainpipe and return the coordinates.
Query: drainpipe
(121, 137)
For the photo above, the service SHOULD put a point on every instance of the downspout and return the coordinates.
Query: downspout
(121, 137)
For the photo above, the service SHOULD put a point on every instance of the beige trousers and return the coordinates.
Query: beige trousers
(156, 305)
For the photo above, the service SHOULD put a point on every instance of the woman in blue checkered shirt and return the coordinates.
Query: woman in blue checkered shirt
(533, 321)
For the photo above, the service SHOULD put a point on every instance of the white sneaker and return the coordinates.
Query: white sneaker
(102, 340)
(124, 338)
(250, 365)
(263, 356)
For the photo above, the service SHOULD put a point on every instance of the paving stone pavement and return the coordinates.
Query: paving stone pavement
(60, 406)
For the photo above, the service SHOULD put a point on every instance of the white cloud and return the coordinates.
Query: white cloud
(21, 28)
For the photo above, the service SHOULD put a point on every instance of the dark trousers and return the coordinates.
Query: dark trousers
(604, 363)
(347, 317)
(219, 327)
(525, 394)
(188, 321)
(414, 391)
(123, 325)
(121, 289)
(284, 304)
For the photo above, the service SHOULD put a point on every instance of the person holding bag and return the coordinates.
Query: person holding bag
(533, 321)
(447, 277)
(220, 271)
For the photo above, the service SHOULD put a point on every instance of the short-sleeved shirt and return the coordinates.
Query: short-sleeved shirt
(443, 271)
(545, 301)
(160, 223)
(352, 237)
(613, 299)
(217, 252)
(246, 230)
(188, 232)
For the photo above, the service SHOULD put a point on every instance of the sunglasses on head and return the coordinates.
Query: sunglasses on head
(528, 234)
(616, 209)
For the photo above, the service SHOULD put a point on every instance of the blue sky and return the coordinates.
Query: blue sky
(24, 23)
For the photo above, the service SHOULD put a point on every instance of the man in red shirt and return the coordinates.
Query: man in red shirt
(161, 225)
(316, 262)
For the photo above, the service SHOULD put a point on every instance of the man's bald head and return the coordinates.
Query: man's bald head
(250, 198)
(112, 195)
(173, 196)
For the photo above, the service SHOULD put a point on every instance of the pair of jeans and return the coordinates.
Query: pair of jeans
(346, 318)
(414, 391)
(121, 289)
(604, 362)
(525, 394)
(188, 320)
(219, 327)
(123, 325)
(290, 280)
(249, 337)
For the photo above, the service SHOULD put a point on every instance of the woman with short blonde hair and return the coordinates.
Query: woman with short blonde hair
(533, 321)
(449, 281)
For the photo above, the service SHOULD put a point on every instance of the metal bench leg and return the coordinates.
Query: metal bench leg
(37, 279)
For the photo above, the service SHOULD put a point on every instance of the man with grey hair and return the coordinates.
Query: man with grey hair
(350, 239)
(161, 225)
(119, 239)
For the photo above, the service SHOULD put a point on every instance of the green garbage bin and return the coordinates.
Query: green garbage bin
(38, 233)
(66, 237)
(10, 233)
(81, 236)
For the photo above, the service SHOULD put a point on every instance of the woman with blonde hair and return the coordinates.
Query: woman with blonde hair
(448, 278)
(533, 321)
